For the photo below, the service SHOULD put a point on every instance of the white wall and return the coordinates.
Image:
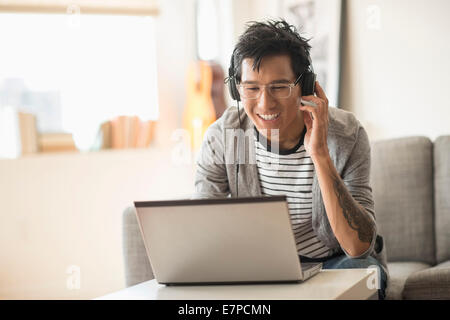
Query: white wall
(395, 78)
(252, 10)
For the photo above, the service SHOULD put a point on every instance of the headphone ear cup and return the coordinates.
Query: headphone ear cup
(234, 92)
(309, 80)
(232, 88)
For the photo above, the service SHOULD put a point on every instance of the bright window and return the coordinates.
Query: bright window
(76, 71)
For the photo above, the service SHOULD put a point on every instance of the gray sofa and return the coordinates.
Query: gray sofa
(410, 179)
(411, 184)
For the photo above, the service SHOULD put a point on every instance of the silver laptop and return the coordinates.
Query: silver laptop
(221, 241)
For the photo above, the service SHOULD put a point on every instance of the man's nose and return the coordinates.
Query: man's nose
(265, 99)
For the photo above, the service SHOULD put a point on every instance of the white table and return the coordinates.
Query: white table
(351, 284)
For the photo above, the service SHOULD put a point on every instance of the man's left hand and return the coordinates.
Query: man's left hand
(316, 121)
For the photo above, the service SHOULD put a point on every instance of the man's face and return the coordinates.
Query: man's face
(288, 118)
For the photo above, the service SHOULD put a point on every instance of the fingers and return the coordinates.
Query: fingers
(309, 108)
(318, 113)
(308, 103)
(312, 112)
(313, 99)
(311, 104)
(320, 95)
(307, 120)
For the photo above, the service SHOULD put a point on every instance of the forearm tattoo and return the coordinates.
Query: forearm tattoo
(353, 212)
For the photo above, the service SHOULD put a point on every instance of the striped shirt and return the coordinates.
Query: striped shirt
(290, 173)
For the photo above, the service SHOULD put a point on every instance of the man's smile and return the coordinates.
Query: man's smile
(269, 117)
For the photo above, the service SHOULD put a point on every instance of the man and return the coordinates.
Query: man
(321, 154)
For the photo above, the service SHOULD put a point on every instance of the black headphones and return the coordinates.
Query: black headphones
(307, 79)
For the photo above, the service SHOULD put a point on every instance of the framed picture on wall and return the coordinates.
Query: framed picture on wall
(320, 21)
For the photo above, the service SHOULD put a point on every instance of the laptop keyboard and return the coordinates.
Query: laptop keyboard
(308, 265)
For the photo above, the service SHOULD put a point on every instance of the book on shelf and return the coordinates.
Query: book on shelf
(133, 131)
(56, 142)
(127, 132)
(146, 133)
(118, 129)
(105, 135)
(28, 133)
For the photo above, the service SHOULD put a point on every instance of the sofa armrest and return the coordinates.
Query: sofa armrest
(137, 265)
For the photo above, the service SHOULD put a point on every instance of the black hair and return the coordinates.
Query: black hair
(271, 37)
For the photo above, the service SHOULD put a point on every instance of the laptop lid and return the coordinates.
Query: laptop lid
(219, 240)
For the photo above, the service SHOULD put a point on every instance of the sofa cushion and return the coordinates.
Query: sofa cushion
(432, 283)
(402, 183)
(137, 265)
(442, 199)
(399, 272)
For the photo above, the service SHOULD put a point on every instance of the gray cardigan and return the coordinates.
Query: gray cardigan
(349, 148)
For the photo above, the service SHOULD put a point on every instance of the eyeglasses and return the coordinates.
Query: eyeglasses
(276, 90)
